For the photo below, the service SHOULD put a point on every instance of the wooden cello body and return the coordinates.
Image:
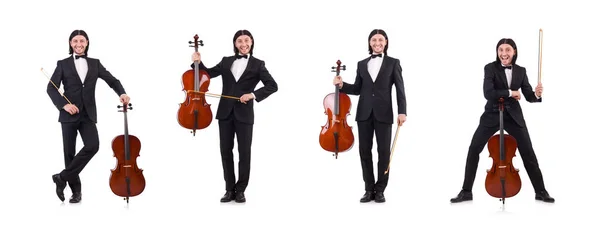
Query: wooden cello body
(336, 135)
(502, 180)
(195, 113)
(126, 179)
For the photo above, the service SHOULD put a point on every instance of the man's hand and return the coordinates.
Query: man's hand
(538, 90)
(196, 56)
(71, 109)
(245, 98)
(124, 99)
(337, 81)
(401, 119)
(515, 94)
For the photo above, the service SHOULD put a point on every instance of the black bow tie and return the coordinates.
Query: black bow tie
(241, 56)
(507, 67)
(80, 56)
(376, 55)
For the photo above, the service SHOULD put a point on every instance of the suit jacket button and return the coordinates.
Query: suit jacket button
(83, 85)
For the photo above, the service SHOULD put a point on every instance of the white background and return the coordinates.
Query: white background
(442, 47)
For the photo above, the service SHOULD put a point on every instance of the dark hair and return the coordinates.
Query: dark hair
(238, 34)
(375, 32)
(512, 44)
(76, 33)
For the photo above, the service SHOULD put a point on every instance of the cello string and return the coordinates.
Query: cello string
(44, 72)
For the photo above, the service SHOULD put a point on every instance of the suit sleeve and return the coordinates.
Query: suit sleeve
(353, 89)
(270, 86)
(212, 72)
(400, 92)
(489, 92)
(112, 82)
(527, 90)
(57, 99)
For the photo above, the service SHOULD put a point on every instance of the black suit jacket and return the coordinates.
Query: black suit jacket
(377, 96)
(255, 71)
(80, 93)
(495, 86)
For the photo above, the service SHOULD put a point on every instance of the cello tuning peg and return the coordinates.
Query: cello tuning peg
(129, 104)
(119, 106)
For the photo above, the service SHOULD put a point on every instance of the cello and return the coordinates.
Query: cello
(502, 180)
(195, 113)
(126, 179)
(336, 135)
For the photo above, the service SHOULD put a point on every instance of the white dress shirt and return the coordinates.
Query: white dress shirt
(81, 67)
(374, 65)
(238, 67)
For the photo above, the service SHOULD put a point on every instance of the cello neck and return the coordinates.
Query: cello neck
(336, 104)
(501, 110)
(196, 63)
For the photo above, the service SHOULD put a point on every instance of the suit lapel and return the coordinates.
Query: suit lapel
(71, 64)
(384, 67)
(247, 69)
(502, 74)
(227, 65)
(365, 69)
(516, 73)
(87, 75)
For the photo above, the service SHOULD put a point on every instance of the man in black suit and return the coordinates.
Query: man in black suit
(503, 78)
(78, 73)
(374, 79)
(240, 74)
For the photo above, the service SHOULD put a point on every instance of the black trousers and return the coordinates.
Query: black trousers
(227, 129)
(74, 164)
(524, 146)
(383, 134)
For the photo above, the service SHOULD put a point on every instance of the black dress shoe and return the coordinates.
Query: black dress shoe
(60, 186)
(227, 197)
(75, 198)
(462, 196)
(379, 198)
(544, 196)
(240, 197)
(367, 197)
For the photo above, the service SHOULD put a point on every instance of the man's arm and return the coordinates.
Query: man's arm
(112, 82)
(270, 86)
(353, 89)
(399, 83)
(212, 72)
(527, 90)
(489, 92)
(57, 99)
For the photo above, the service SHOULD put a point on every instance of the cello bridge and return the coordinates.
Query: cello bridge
(127, 166)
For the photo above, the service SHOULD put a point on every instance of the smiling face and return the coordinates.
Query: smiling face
(377, 43)
(506, 54)
(243, 44)
(79, 43)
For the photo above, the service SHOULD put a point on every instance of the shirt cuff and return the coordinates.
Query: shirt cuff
(253, 96)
